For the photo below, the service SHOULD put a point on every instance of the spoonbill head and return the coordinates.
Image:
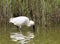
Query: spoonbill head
(31, 23)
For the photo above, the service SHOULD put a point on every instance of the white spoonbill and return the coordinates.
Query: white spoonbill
(21, 20)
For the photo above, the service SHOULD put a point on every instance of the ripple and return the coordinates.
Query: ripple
(20, 38)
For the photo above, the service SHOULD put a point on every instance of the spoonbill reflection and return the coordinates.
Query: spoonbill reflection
(21, 38)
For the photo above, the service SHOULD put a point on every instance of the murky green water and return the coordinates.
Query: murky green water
(50, 35)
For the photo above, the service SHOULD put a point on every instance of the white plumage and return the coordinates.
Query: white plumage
(21, 20)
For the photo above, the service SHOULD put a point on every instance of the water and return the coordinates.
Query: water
(10, 35)
(20, 38)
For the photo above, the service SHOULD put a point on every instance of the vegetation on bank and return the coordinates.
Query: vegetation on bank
(43, 12)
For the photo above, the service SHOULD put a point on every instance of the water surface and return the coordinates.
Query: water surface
(10, 35)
